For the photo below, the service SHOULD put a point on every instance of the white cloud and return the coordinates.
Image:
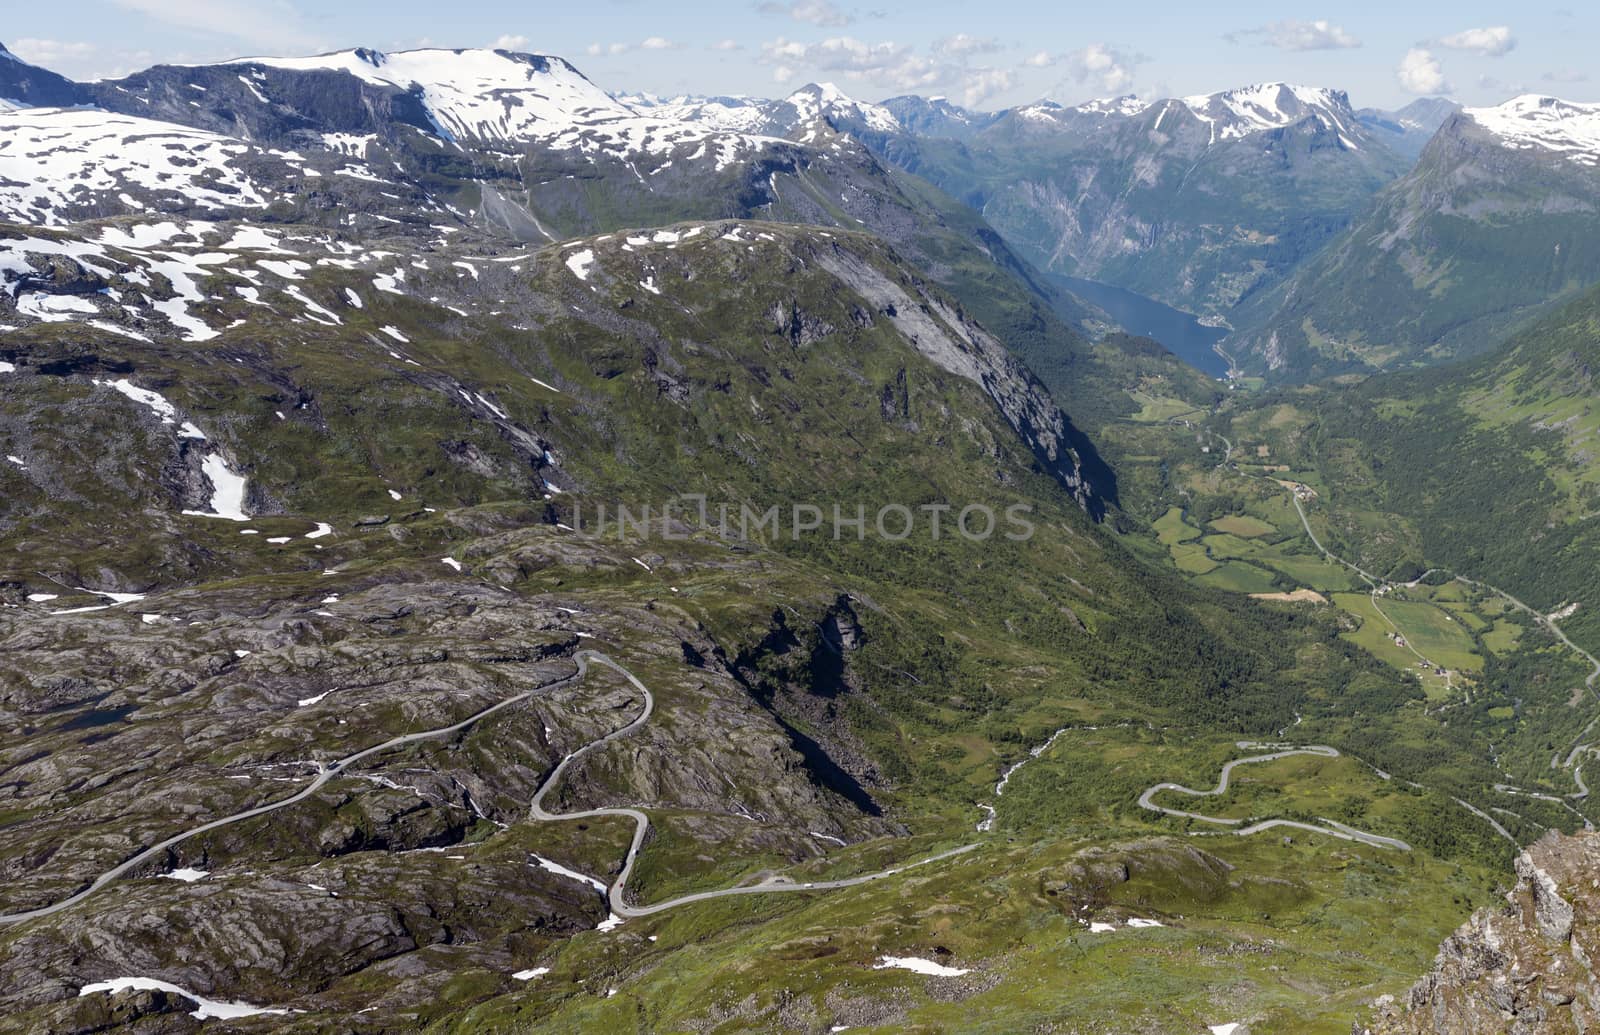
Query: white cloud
(1107, 68)
(518, 43)
(727, 45)
(268, 23)
(1495, 41)
(1293, 34)
(84, 61)
(50, 53)
(980, 84)
(1565, 75)
(813, 12)
(962, 45)
(892, 66)
(1421, 73)
(1042, 59)
(616, 49)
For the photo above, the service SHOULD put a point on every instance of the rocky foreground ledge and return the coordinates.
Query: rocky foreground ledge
(1526, 969)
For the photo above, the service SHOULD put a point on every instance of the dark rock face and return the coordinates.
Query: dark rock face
(800, 327)
(801, 675)
(1527, 969)
(60, 275)
(35, 87)
(303, 102)
(841, 630)
(135, 1010)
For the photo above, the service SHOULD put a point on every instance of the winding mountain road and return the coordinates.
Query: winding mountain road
(615, 893)
(328, 771)
(325, 773)
(1246, 827)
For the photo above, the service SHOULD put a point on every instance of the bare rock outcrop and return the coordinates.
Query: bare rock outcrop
(1526, 969)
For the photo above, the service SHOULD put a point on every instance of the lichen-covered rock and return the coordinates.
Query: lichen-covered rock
(1524, 969)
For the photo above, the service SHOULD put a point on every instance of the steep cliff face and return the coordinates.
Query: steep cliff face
(1527, 969)
(952, 341)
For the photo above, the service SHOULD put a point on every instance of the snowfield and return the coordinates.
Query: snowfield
(227, 491)
(580, 262)
(495, 96)
(1545, 123)
(209, 1009)
(918, 965)
(53, 159)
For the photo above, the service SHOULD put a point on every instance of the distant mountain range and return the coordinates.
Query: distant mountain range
(522, 145)
(1408, 130)
(785, 117)
(1499, 219)
(1272, 210)
(1195, 201)
(1258, 207)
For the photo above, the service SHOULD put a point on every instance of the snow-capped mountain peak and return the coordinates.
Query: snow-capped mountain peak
(1040, 111)
(498, 98)
(786, 117)
(827, 93)
(825, 100)
(1126, 105)
(474, 94)
(1262, 106)
(1546, 123)
(1229, 114)
(943, 106)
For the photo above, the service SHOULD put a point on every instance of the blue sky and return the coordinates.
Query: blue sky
(984, 54)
